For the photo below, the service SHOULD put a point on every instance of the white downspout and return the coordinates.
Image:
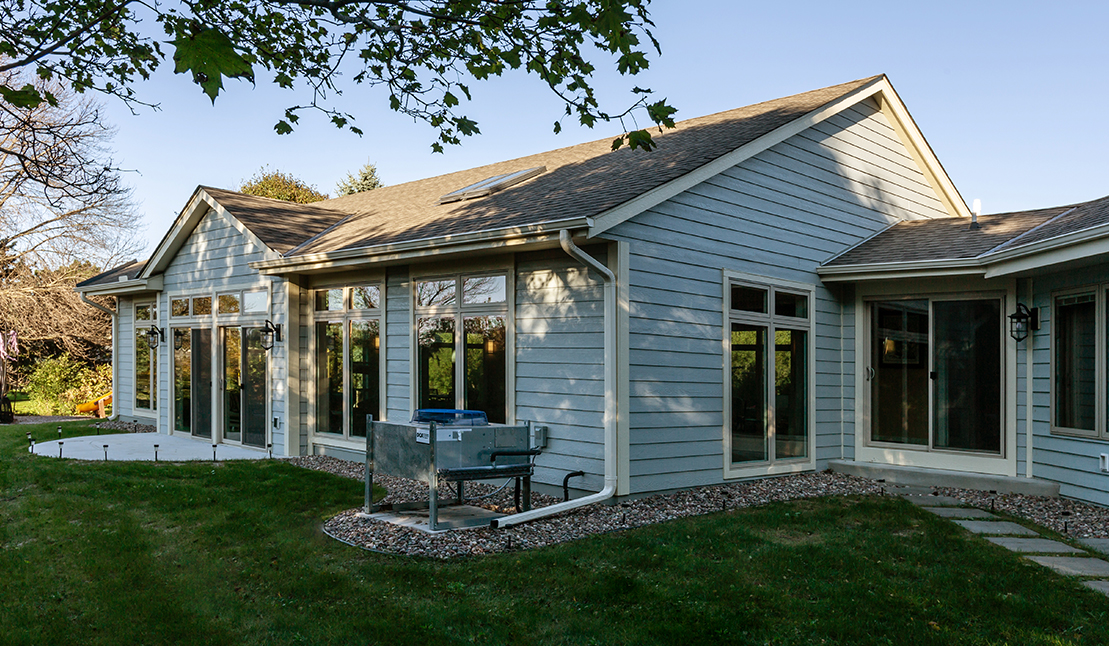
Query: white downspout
(115, 348)
(610, 395)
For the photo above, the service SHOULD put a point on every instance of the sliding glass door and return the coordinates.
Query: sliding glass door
(192, 381)
(935, 374)
(244, 386)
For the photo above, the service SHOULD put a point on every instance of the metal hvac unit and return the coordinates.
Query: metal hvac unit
(445, 445)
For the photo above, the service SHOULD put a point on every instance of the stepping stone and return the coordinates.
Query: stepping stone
(1073, 565)
(1100, 586)
(955, 512)
(995, 527)
(1042, 545)
(1099, 544)
(929, 500)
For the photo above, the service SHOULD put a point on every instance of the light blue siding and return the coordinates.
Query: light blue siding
(777, 215)
(398, 345)
(1066, 459)
(559, 312)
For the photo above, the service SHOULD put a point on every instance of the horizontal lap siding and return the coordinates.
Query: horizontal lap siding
(398, 345)
(1070, 461)
(123, 399)
(777, 215)
(559, 313)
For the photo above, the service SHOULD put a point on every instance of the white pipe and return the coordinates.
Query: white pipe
(610, 395)
(115, 347)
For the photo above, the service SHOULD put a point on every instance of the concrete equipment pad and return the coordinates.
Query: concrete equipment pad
(1073, 565)
(1099, 544)
(995, 527)
(1042, 545)
(140, 446)
(956, 512)
(1099, 586)
(420, 518)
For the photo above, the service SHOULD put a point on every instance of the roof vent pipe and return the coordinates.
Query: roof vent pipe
(975, 210)
(610, 394)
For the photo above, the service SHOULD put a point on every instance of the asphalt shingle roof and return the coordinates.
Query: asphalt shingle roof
(953, 239)
(281, 225)
(580, 181)
(127, 270)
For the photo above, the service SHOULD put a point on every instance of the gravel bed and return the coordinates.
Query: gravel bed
(45, 419)
(567, 526)
(129, 427)
(1071, 517)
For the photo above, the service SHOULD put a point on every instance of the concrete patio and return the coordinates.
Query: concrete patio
(141, 446)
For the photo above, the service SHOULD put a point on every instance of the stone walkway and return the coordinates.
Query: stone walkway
(1089, 564)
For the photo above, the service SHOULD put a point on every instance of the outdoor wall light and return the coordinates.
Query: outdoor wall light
(1023, 321)
(154, 335)
(270, 334)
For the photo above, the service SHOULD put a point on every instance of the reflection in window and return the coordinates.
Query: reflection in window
(202, 306)
(146, 360)
(749, 405)
(483, 289)
(790, 395)
(430, 293)
(435, 339)
(255, 302)
(795, 305)
(329, 377)
(179, 307)
(485, 366)
(366, 297)
(228, 303)
(1075, 361)
(329, 300)
(749, 299)
(365, 389)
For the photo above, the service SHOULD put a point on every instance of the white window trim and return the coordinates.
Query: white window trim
(1101, 405)
(460, 311)
(789, 465)
(1004, 464)
(152, 412)
(345, 317)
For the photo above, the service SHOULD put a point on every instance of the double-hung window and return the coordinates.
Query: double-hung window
(769, 367)
(146, 358)
(347, 330)
(462, 316)
(1079, 356)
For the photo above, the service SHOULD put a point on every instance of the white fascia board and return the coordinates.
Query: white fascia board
(423, 248)
(1080, 245)
(123, 287)
(899, 270)
(177, 234)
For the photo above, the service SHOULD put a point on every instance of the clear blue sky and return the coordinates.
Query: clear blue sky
(1011, 96)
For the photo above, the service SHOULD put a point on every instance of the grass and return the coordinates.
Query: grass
(109, 553)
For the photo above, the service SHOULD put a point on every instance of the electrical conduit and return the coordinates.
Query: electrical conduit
(610, 394)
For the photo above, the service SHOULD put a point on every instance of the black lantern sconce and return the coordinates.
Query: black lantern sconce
(271, 334)
(154, 335)
(1023, 322)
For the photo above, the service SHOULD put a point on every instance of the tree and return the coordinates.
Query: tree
(277, 185)
(64, 215)
(425, 53)
(366, 180)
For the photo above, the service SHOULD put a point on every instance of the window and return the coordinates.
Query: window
(463, 316)
(770, 334)
(146, 358)
(1078, 367)
(347, 333)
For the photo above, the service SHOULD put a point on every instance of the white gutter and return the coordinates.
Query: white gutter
(115, 347)
(610, 421)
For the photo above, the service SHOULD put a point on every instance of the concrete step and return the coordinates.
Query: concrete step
(995, 528)
(957, 512)
(1073, 565)
(1033, 545)
(921, 477)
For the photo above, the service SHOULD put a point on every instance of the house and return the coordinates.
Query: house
(778, 288)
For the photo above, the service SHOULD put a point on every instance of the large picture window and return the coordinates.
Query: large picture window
(770, 331)
(146, 358)
(1078, 403)
(463, 316)
(347, 332)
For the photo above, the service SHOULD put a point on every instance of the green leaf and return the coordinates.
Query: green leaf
(282, 128)
(25, 97)
(210, 55)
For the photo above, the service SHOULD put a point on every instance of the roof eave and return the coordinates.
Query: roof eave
(421, 249)
(901, 270)
(1069, 247)
(122, 287)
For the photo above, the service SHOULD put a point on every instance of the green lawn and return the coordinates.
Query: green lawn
(143, 553)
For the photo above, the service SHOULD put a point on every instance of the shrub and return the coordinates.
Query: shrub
(59, 383)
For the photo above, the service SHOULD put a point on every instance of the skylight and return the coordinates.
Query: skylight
(491, 185)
